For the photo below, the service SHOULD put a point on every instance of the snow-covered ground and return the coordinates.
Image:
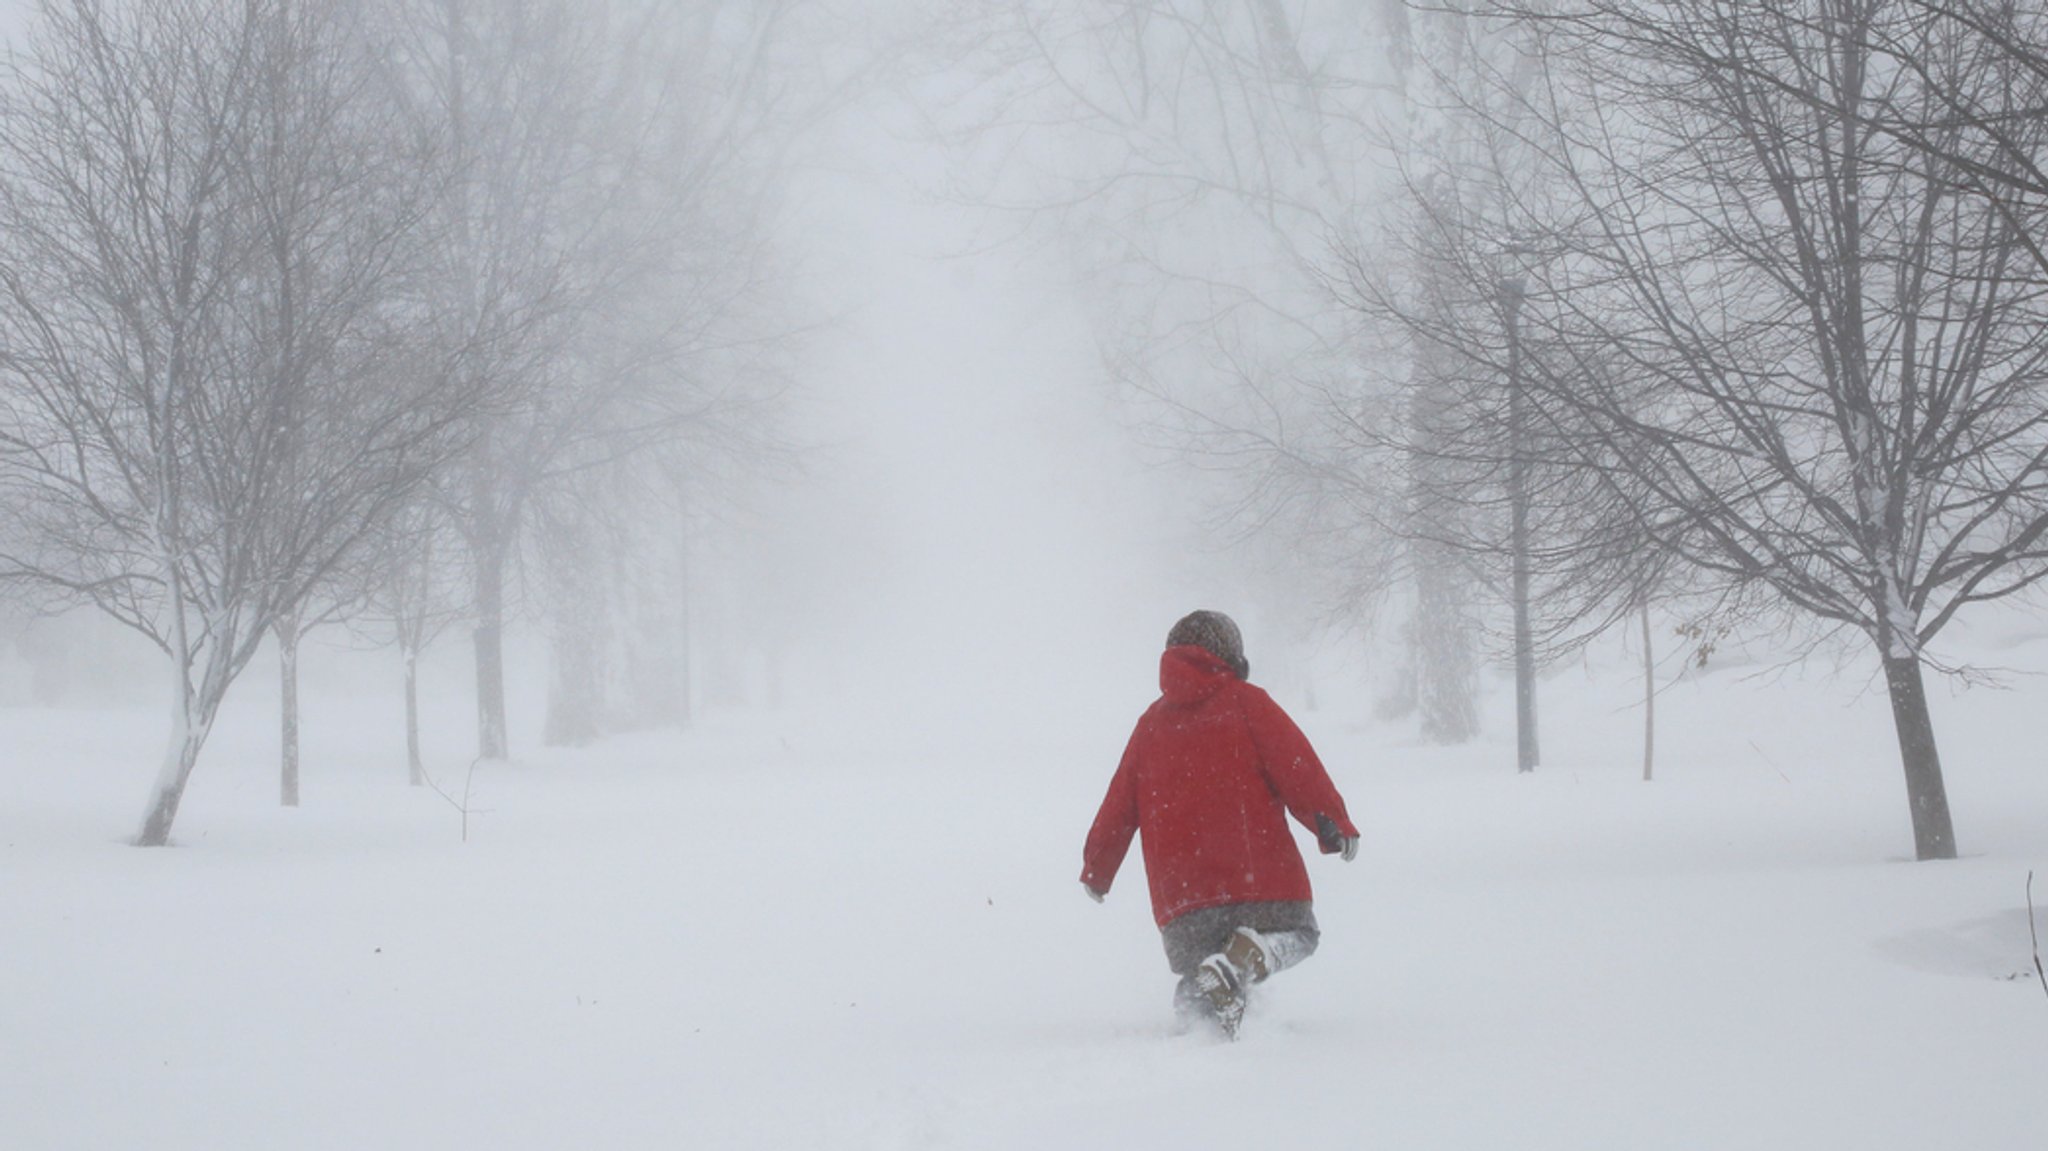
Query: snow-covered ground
(814, 931)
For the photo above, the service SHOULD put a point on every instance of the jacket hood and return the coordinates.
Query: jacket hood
(1190, 674)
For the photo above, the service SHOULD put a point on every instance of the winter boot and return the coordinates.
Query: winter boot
(1218, 991)
(1248, 954)
(1220, 987)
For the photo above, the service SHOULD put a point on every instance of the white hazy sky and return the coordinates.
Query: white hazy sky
(1006, 528)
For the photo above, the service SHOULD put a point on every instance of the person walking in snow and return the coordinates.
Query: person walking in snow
(1207, 780)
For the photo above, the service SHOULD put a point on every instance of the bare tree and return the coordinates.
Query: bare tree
(1225, 163)
(1502, 484)
(407, 586)
(602, 234)
(1841, 323)
(209, 396)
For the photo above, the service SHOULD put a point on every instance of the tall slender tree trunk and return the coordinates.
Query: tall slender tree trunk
(490, 653)
(489, 539)
(1442, 637)
(1881, 497)
(1649, 698)
(1526, 753)
(191, 711)
(287, 633)
(1934, 835)
(685, 638)
(416, 771)
(575, 558)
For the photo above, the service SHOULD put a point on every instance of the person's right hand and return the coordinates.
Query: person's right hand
(1350, 851)
(1092, 893)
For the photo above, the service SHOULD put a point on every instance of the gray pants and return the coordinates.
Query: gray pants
(1197, 935)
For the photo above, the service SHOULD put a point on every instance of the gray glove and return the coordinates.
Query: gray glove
(1350, 851)
(1092, 893)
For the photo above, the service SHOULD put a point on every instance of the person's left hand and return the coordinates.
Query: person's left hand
(1092, 893)
(1332, 840)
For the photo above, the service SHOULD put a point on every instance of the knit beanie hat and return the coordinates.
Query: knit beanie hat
(1215, 633)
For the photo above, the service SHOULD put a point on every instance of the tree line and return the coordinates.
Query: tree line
(347, 310)
(1519, 317)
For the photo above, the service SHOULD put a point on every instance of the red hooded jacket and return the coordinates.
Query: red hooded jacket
(1208, 778)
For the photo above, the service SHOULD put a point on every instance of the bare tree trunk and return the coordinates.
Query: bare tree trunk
(1443, 649)
(490, 651)
(1934, 835)
(191, 722)
(186, 740)
(287, 633)
(1649, 698)
(416, 772)
(1526, 754)
(488, 540)
(490, 663)
(573, 556)
(686, 682)
(685, 659)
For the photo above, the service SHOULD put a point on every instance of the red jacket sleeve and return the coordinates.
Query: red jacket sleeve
(1115, 823)
(1297, 776)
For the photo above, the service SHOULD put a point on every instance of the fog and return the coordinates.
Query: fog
(678, 360)
(987, 529)
(961, 515)
(590, 572)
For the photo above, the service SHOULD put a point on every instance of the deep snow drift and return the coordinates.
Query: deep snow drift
(862, 930)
